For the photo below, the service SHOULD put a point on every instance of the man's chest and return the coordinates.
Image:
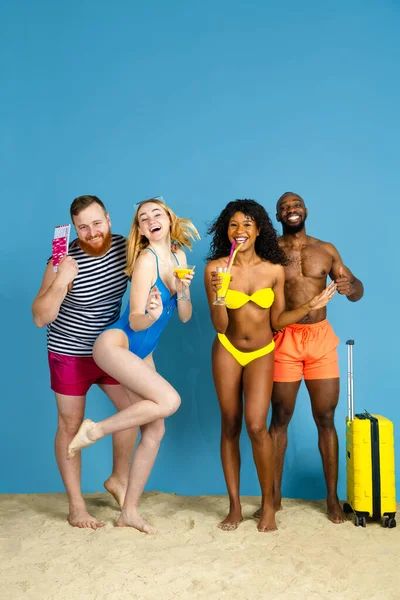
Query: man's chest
(308, 261)
(99, 281)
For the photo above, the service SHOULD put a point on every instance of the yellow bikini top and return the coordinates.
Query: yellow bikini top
(263, 298)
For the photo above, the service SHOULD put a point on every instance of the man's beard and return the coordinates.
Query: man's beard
(294, 228)
(98, 250)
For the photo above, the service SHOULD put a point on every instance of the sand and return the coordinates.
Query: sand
(43, 557)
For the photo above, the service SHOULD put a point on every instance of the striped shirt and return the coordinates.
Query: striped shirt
(94, 302)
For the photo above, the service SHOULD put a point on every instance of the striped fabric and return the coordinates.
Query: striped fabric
(94, 302)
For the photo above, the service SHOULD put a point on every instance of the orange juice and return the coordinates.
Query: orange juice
(182, 272)
(226, 278)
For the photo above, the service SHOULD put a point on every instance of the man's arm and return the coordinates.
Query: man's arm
(54, 288)
(347, 284)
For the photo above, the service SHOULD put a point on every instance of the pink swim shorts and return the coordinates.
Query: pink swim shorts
(74, 375)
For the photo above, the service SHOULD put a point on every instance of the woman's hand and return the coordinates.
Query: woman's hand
(323, 298)
(216, 281)
(154, 305)
(183, 283)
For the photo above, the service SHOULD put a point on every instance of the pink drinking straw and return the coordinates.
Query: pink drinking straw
(231, 254)
(231, 259)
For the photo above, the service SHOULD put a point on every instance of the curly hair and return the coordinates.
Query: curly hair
(266, 245)
(182, 232)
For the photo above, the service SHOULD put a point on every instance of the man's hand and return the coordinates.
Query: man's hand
(343, 283)
(67, 271)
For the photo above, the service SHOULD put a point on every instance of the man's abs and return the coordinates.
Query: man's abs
(302, 289)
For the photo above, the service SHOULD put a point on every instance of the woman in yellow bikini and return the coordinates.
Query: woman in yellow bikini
(243, 351)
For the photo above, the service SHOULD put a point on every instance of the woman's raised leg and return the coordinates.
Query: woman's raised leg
(160, 399)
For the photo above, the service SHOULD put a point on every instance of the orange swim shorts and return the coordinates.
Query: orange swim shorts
(308, 351)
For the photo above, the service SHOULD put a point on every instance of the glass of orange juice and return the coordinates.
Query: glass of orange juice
(225, 276)
(182, 271)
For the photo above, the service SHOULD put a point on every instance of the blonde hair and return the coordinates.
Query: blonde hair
(182, 233)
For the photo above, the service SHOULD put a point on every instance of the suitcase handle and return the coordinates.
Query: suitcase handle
(350, 381)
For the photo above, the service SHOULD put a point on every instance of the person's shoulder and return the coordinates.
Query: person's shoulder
(146, 257)
(274, 271)
(327, 246)
(311, 240)
(180, 255)
(118, 238)
(275, 268)
(75, 250)
(118, 245)
(73, 244)
(145, 265)
(322, 247)
(217, 262)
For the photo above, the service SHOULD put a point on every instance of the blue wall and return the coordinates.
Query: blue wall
(202, 102)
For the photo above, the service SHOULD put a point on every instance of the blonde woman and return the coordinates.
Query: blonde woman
(124, 351)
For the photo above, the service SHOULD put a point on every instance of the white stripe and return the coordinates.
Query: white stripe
(94, 302)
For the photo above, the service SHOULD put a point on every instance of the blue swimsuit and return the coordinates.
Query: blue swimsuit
(142, 343)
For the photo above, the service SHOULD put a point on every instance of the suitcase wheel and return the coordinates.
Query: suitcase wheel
(389, 522)
(347, 508)
(360, 521)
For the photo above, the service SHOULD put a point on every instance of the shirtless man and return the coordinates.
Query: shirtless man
(76, 304)
(308, 348)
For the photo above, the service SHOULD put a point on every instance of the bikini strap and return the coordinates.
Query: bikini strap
(173, 254)
(151, 250)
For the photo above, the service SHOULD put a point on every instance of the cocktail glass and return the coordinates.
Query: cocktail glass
(181, 272)
(225, 276)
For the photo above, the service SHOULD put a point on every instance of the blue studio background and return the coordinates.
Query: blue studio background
(202, 102)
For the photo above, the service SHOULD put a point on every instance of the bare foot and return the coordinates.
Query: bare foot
(335, 512)
(135, 520)
(258, 513)
(231, 522)
(116, 489)
(82, 439)
(278, 502)
(267, 520)
(82, 519)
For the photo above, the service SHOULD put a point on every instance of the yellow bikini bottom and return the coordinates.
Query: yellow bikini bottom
(244, 358)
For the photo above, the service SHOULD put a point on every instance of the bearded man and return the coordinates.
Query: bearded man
(77, 303)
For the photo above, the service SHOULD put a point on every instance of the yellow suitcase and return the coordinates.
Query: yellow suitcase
(371, 490)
